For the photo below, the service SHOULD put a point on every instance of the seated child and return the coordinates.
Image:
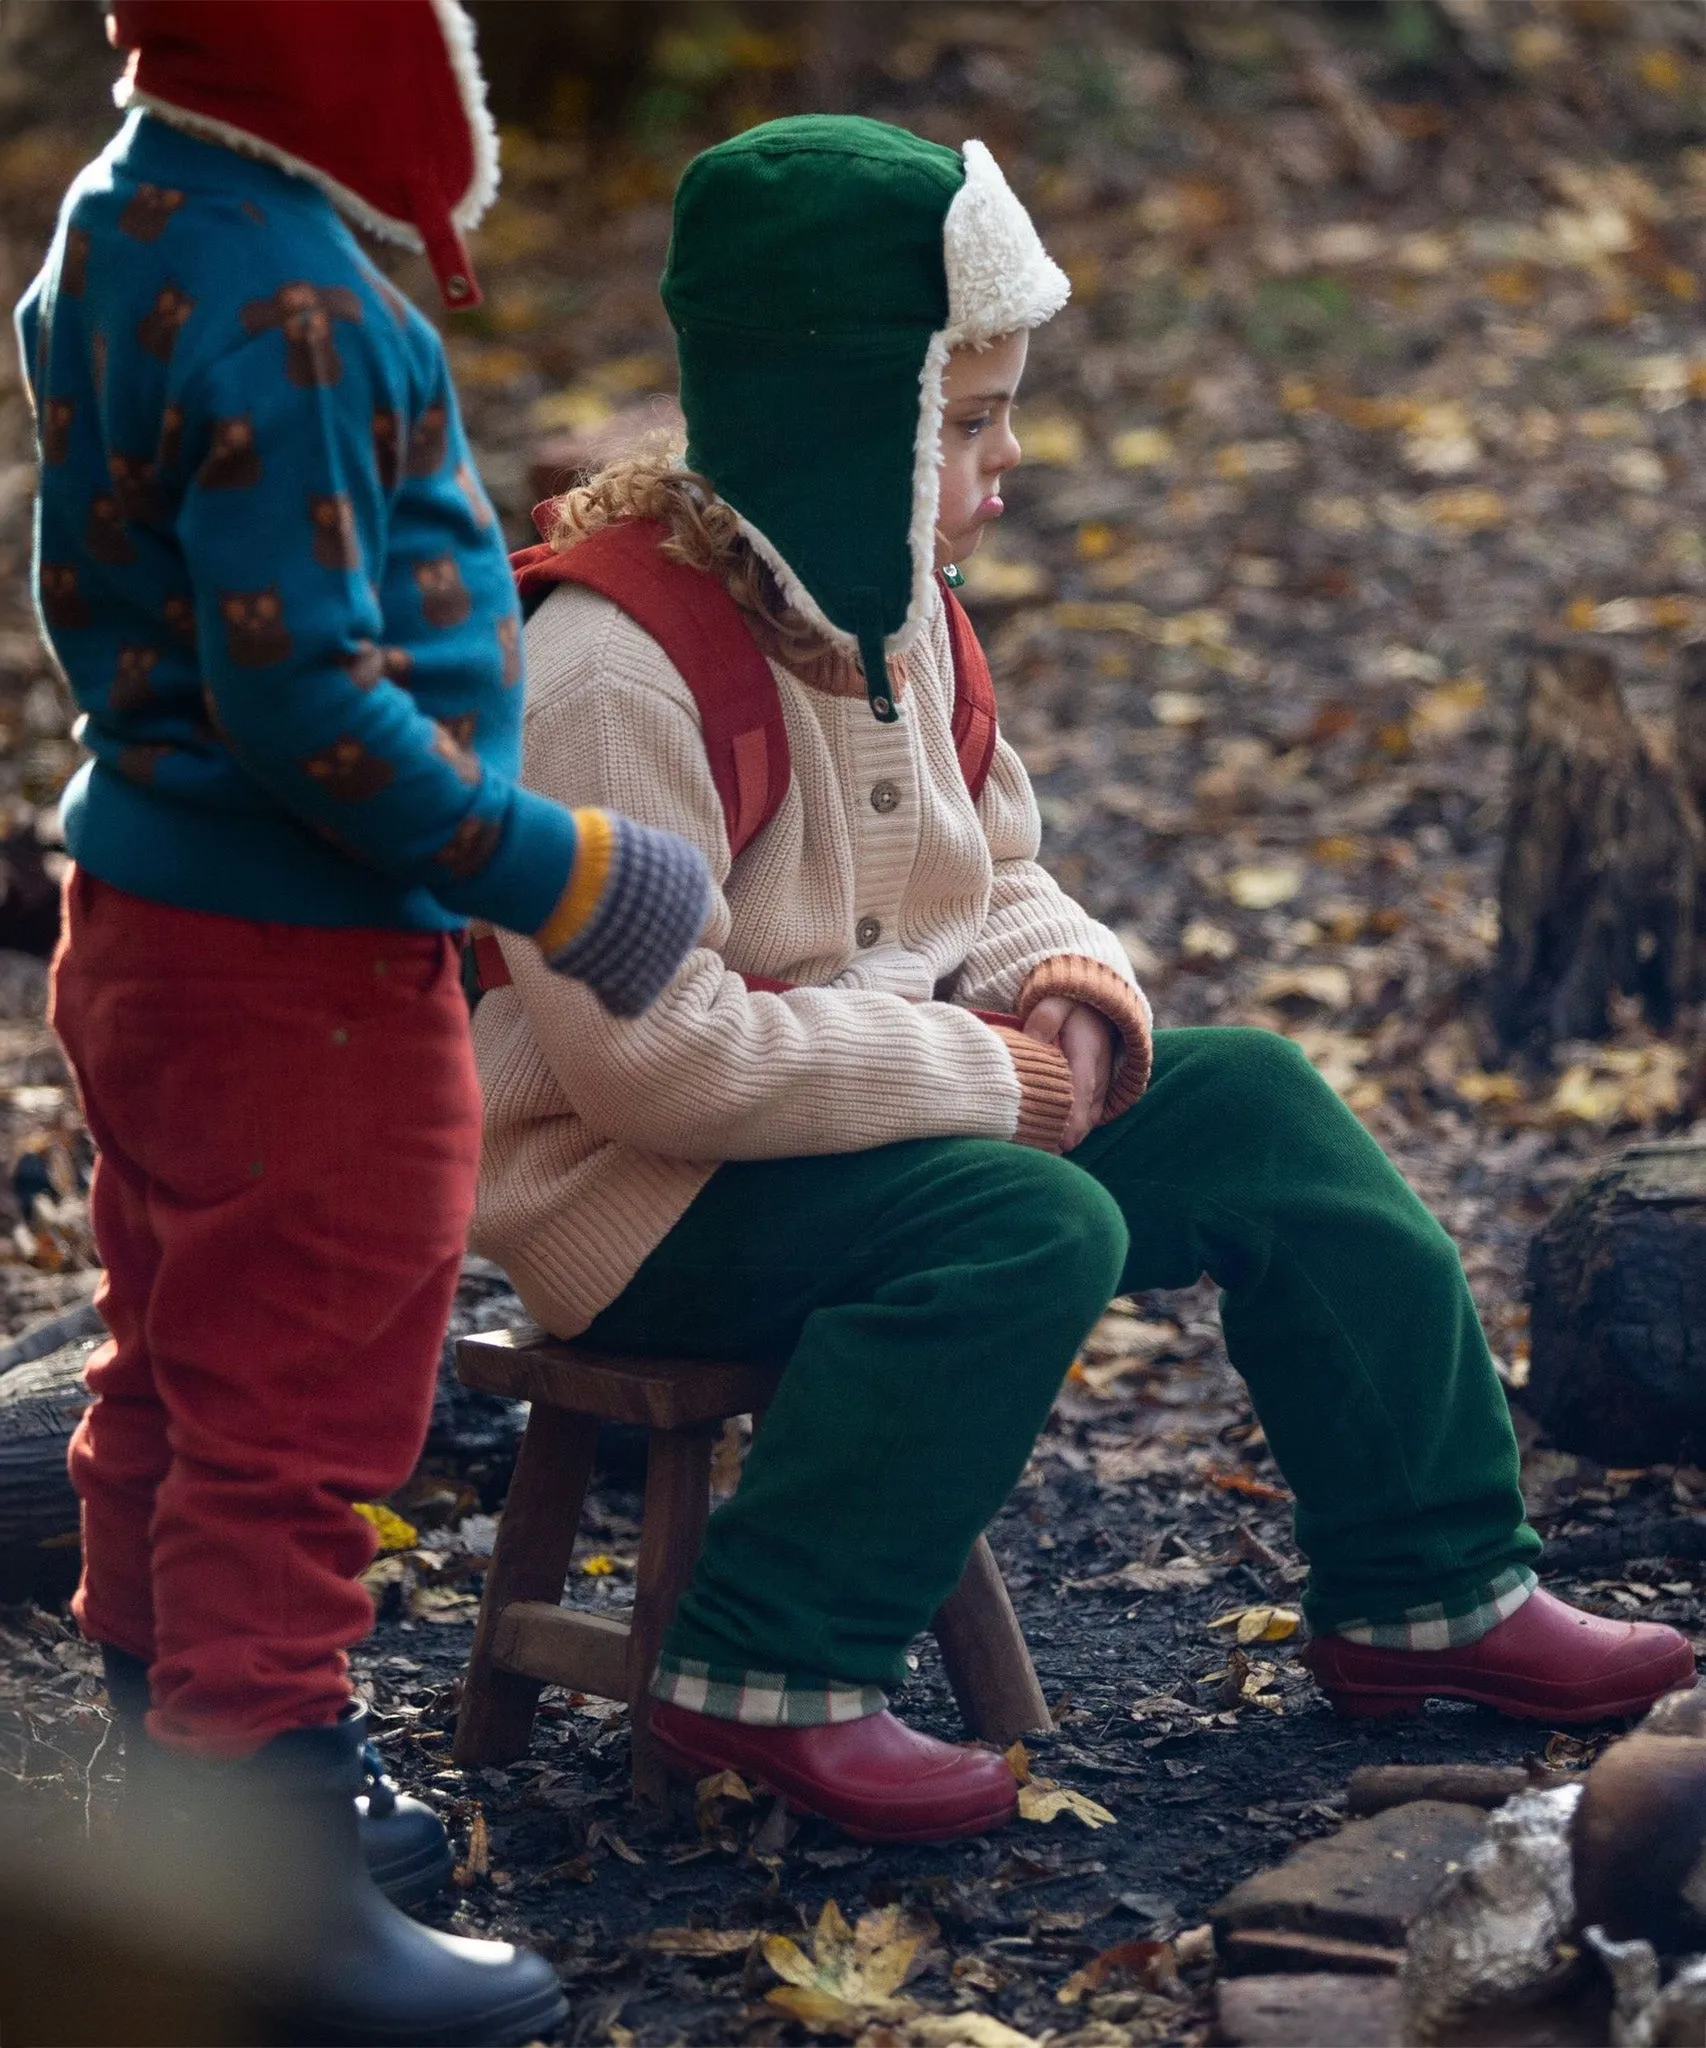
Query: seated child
(826, 1145)
(282, 602)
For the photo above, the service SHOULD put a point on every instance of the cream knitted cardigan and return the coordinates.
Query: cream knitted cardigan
(875, 883)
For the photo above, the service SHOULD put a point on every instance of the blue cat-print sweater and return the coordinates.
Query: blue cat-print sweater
(267, 566)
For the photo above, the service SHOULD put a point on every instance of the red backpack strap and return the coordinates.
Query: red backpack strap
(974, 698)
(703, 631)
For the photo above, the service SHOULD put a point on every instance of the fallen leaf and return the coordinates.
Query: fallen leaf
(1327, 984)
(1241, 1482)
(965, 2030)
(1263, 888)
(1261, 1624)
(1042, 1802)
(987, 575)
(1151, 1962)
(699, 1941)
(393, 1532)
(1018, 1761)
(1141, 448)
(478, 1860)
(1054, 439)
(1201, 940)
(598, 1566)
(851, 1970)
(602, 1832)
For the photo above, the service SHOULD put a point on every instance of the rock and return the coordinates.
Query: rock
(1617, 1282)
(1639, 1841)
(1366, 1884)
(1313, 2011)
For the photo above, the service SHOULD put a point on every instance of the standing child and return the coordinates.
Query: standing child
(817, 1148)
(281, 599)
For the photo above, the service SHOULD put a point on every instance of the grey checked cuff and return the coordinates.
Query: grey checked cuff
(654, 905)
(1448, 1624)
(762, 1699)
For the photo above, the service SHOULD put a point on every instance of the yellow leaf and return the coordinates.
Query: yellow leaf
(1141, 448)
(1055, 439)
(1328, 984)
(1579, 614)
(1449, 710)
(1202, 940)
(1255, 458)
(1018, 1760)
(699, 1941)
(725, 1785)
(1263, 888)
(599, 1566)
(577, 409)
(789, 1960)
(1661, 70)
(818, 2010)
(1261, 1624)
(1178, 708)
(1470, 510)
(394, 1533)
(989, 576)
(1042, 1802)
(1096, 538)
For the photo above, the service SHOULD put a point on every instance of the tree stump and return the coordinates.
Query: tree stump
(1599, 893)
(1617, 1283)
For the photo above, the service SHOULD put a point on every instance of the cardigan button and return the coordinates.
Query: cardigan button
(884, 797)
(868, 931)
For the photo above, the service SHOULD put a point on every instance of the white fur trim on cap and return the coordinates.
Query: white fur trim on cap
(1000, 277)
(458, 32)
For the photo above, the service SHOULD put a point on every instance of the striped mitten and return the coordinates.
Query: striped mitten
(632, 912)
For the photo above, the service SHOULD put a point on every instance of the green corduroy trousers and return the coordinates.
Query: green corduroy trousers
(928, 1298)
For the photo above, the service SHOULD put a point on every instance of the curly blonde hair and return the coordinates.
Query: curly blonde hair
(704, 533)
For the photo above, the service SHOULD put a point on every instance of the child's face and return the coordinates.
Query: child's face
(978, 447)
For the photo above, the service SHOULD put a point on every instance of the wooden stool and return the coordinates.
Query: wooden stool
(526, 1638)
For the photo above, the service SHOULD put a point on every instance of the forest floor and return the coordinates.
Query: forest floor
(1383, 365)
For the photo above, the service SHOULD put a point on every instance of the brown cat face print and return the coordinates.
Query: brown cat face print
(104, 535)
(158, 330)
(171, 449)
(450, 750)
(56, 417)
(62, 602)
(470, 848)
(74, 268)
(306, 312)
(130, 690)
(388, 448)
(136, 488)
(145, 218)
(179, 614)
(139, 764)
(509, 644)
(336, 543)
(428, 443)
(348, 770)
(255, 633)
(232, 462)
(369, 666)
(444, 596)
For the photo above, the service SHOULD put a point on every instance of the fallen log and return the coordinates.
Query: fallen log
(1375, 1787)
(40, 1403)
(1617, 1291)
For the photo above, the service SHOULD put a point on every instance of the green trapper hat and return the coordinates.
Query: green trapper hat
(820, 271)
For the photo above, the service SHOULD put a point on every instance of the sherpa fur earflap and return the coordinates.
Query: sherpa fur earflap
(380, 103)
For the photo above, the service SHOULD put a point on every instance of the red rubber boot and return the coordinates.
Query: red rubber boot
(1545, 1662)
(875, 1777)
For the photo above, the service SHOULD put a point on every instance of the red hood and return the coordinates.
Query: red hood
(379, 102)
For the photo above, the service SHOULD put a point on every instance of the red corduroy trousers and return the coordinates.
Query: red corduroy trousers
(288, 1128)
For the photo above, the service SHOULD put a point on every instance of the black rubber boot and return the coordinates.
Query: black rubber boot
(408, 1853)
(270, 1847)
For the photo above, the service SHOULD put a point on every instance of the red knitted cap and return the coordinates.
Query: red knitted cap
(379, 102)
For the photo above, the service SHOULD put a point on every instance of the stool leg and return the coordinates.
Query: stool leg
(678, 1504)
(986, 1657)
(536, 1536)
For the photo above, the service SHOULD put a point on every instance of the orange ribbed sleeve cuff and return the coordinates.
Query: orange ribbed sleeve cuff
(1096, 984)
(1045, 1089)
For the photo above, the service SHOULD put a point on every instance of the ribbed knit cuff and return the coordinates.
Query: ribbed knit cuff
(653, 898)
(1095, 983)
(1045, 1089)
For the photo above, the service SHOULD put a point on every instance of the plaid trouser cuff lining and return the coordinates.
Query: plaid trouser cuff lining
(762, 1699)
(1448, 1624)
